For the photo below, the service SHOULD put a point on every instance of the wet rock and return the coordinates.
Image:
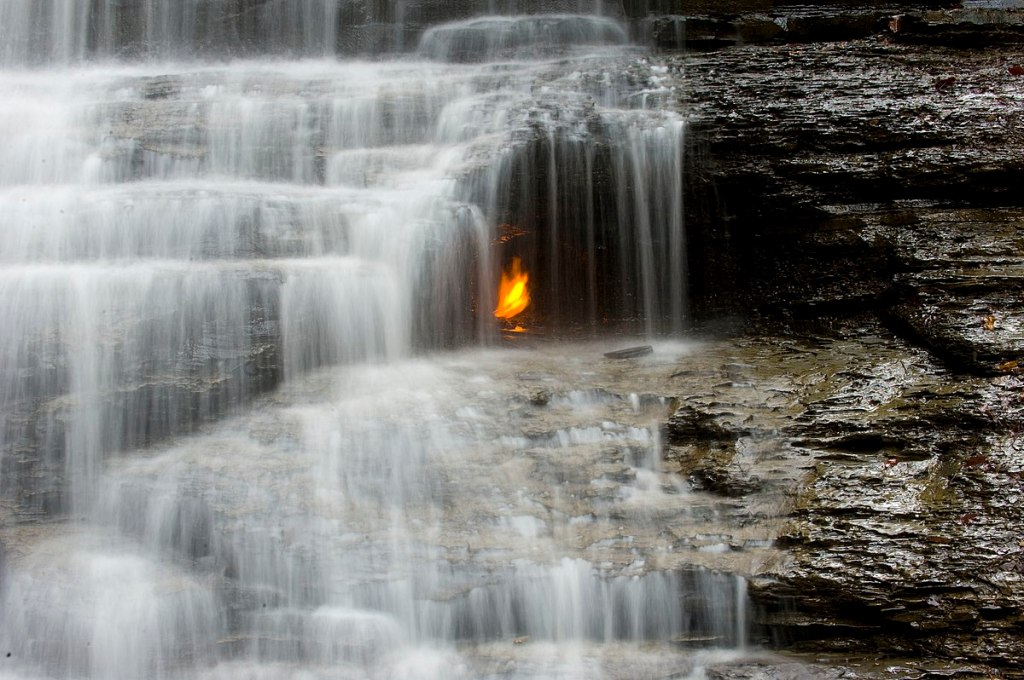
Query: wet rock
(724, 480)
(678, 32)
(690, 426)
(630, 352)
(490, 38)
(232, 28)
(822, 667)
(900, 480)
(913, 553)
(970, 26)
(201, 370)
(641, 8)
(161, 88)
(834, 26)
(959, 296)
(863, 155)
(540, 397)
(771, 671)
(703, 26)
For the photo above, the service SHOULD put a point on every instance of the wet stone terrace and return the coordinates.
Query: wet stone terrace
(899, 483)
(868, 496)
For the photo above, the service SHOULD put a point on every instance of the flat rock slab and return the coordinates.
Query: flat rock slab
(903, 494)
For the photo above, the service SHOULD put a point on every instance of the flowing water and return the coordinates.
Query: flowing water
(257, 418)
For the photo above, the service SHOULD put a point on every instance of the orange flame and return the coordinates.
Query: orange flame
(513, 294)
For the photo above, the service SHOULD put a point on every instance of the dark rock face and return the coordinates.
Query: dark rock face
(838, 185)
(866, 158)
(959, 293)
(979, 25)
(912, 544)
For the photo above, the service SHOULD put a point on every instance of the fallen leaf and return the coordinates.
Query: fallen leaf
(976, 461)
(1016, 70)
(968, 517)
(1009, 367)
(989, 323)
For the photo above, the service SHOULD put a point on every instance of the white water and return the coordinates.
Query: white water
(416, 519)
(178, 238)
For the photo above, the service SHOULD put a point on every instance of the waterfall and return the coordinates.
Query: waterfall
(65, 31)
(254, 421)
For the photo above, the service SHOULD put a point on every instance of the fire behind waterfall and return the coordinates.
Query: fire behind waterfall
(514, 292)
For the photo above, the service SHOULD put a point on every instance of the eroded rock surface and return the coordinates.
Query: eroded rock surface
(873, 179)
(897, 487)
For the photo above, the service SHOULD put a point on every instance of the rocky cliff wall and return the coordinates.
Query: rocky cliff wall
(850, 190)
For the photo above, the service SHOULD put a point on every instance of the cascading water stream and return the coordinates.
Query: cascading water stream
(235, 439)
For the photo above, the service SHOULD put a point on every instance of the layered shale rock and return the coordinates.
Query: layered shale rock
(837, 185)
(891, 485)
(885, 178)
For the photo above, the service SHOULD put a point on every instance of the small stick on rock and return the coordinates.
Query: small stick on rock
(630, 352)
